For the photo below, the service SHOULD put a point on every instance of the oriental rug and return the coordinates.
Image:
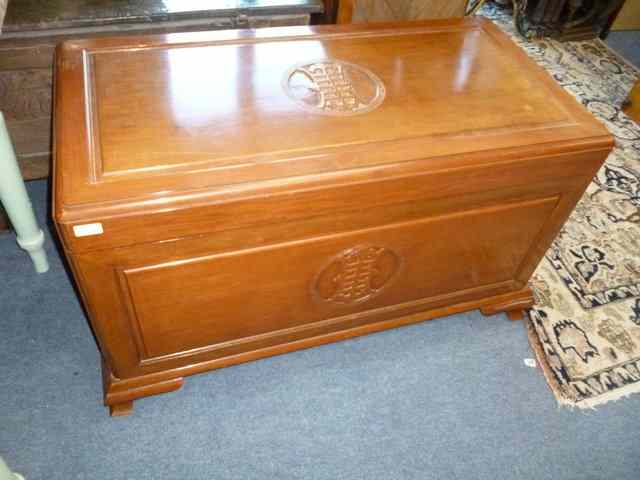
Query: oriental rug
(585, 326)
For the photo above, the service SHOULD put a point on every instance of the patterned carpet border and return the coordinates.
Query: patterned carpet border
(585, 326)
(566, 396)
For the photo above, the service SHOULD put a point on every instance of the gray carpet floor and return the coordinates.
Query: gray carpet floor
(627, 44)
(446, 399)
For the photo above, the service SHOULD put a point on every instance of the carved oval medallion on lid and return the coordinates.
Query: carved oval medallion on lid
(332, 87)
(357, 274)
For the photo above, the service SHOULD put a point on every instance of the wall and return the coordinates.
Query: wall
(629, 17)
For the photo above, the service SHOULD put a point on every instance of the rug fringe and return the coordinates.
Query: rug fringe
(592, 403)
(562, 396)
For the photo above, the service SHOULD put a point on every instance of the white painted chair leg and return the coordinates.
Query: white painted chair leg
(6, 474)
(15, 200)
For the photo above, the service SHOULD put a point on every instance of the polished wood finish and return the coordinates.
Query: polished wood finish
(514, 306)
(123, 409)
(345, 11)
(217, 204)
(516, 315)
(330, 13)
(632, 105)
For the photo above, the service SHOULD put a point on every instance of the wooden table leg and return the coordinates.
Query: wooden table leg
(14, 198)
(632, 106)
(123, 409)
(6, 474)
(515, 315)
(513, 304)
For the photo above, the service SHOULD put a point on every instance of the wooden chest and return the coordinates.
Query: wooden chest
(227, 196)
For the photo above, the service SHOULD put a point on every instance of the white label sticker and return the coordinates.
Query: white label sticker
(530, 362)
(88, 229)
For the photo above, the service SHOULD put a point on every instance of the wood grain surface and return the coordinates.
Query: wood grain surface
(226, 196)
(632, 104)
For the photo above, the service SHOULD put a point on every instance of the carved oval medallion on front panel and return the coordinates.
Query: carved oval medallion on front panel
(357, 274)
(333, 87)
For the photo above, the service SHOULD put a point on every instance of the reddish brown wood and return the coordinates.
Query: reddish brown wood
(345, 11)
(123, 409)
(119, 394)
(330, 13)
(514, 306)
(632, 105)
(515, 315)
(237, 224)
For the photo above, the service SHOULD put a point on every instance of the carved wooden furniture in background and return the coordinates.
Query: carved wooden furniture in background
(395, 10)
(25, 97)
(32, 28)
(330, 14)
(227, 196)
(564, 19)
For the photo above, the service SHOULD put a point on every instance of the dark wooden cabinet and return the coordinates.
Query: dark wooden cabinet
(565, 19)
(32, 28)
(227, 196)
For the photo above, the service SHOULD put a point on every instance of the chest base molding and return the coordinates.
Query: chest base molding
(119, 394)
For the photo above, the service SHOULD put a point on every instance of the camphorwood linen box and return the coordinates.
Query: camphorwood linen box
(226, 196)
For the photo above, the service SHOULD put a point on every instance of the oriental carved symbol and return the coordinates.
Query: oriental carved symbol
(334, 88)
(357, 274)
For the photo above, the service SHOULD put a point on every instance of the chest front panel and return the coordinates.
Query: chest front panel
(217, 295)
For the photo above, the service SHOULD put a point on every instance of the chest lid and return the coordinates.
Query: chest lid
(145, 121)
